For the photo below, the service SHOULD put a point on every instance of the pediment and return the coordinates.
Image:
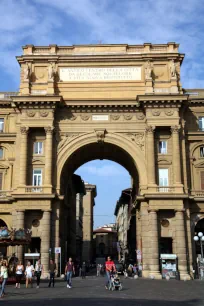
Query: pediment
(37, 161)
(199, 165)
(164, 161)
(2, 166)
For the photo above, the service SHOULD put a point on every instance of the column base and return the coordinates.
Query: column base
(155, 275)
(184, 276)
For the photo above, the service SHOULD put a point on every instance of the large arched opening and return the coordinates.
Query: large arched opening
(80, 156)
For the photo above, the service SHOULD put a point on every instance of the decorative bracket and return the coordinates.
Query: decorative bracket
(100, 134)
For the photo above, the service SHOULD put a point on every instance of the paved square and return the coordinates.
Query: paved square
(91, 292)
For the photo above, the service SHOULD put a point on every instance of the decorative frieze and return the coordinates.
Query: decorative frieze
(127, 116)
(137, 138)
(85, 117)
(169, 112)
(156, 112)
(30, 113)
(140, 116)
(115, 116)
(44, 113)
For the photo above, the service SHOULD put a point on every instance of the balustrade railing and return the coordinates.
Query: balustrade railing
(165, 189)
(197, 193)
(34, 189)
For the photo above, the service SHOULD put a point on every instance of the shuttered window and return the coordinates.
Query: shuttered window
(1, 181)
(202, 180)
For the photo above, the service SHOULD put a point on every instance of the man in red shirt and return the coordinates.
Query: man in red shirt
(69, 271)
(110, 268)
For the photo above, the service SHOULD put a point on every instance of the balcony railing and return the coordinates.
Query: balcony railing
(197, 193)
(165, 189)
(8, 94)
(4, 193)
(34, 189)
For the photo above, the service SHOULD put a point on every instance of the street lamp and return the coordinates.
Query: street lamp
(200, 238)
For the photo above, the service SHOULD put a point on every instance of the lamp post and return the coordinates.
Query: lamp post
(200, 238)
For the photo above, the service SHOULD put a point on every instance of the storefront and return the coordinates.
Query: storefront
(168, 265)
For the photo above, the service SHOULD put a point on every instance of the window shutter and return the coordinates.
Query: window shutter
(202, 180)
(1, 180)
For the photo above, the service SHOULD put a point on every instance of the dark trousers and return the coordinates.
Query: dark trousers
(38, 275)
(52, 279)
(83, 274)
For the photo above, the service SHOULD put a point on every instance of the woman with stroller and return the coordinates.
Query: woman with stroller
(110, 268)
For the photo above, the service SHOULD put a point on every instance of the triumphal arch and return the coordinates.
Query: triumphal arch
(119, 102)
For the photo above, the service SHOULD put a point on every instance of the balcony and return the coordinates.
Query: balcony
(165, 189)
(197, 193)
(7, 95)
(5, 193)
(34, 189)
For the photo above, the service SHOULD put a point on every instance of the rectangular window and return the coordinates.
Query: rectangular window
(163, 179)
(1, 125)
(163, 147)
(37, 177)
(201, 151)
(1, 181)
(38, 147)
(1, 153)
(201, 123)
(202, 180)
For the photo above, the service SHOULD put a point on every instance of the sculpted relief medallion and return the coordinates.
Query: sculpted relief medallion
(137, 138)
(169, 112)
(115, 116)
(44, 113)
(156, 112)
(85, 117)
(127, 116)
(30, 113)
(140, 116)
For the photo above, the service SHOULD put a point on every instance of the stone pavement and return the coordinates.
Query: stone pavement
(91, 292)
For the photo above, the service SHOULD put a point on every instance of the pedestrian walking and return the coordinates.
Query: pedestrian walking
(109, 268)
(52, 271)
(19, 274)
(4, 277)
(83, 270)
(130, 269)
(135, 269)
(29, 274)
(98, 270)
(69, 271)
(38, 272)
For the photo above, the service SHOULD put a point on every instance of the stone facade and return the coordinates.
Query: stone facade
(119, 102)
(105, 242)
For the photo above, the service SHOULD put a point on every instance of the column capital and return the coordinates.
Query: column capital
(175, 129)
(49, 130)
(150, 129)
(24, 130)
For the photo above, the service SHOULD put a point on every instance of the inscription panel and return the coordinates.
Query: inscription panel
(93, 74)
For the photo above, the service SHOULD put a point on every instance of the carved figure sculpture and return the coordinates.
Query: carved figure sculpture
(148, 71)
(51, 72)
(173, 69)
(26, 72)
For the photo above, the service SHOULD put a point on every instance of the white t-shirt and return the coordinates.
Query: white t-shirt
(19, 269)
(29, 270)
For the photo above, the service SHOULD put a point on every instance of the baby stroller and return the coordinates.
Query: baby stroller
(115, 283)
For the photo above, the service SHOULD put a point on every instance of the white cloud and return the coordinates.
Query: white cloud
(104, 171)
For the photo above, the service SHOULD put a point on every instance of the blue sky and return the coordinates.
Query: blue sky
(67, 22)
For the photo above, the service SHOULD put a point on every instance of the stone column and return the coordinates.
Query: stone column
(181, 244)
(150, 156)
(145, 238)
(55, 239)
(45, 239)
(176, 155)
(20, 218)
(48, 156)
(23, 155)
(154, 244)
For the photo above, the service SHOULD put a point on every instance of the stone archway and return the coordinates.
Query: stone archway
(119, 147)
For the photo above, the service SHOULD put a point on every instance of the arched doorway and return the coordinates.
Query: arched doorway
(83, 154)
(3, 249)
(199, 228)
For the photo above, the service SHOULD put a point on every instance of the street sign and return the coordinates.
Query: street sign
(58, 250)
(138, 252)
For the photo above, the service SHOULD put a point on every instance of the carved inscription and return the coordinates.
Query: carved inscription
(100, 74)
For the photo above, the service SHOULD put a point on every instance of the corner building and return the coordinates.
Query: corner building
(119, 102)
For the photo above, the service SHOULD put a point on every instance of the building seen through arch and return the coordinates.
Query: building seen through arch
(119, 102)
